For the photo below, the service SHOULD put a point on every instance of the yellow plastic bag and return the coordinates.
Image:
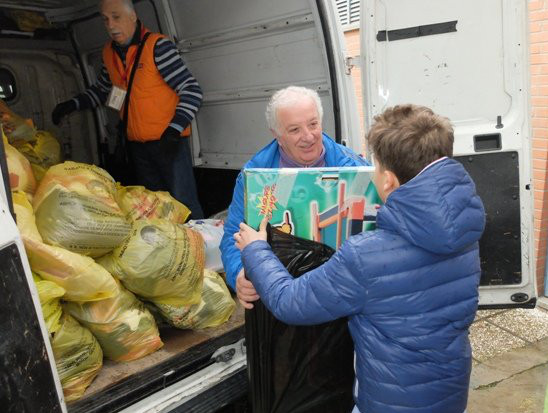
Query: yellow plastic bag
(44, 150)
(137, 202)
(81, 277)
(20, 173)
(49, 294)
(124, 327)
(75, 208)
(24, 216)
(159, 261)
(38, 171)
(15, 127)
(78, 357)
(215, 307)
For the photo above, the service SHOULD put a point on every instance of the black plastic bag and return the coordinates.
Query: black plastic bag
(298, 369)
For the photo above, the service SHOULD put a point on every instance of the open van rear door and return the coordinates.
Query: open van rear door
(467, 60)
(29, 381)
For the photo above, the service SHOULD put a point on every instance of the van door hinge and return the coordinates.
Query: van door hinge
(350, 62)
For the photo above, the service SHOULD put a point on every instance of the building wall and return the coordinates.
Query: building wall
(538, 18)
(538, 26)
(352, 39)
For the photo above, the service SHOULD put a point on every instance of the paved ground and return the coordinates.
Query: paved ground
(510, 371)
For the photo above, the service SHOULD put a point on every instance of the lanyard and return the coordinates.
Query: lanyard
(124, 70)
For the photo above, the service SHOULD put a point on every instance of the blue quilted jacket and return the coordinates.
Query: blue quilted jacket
(269, 157)
(410, 289)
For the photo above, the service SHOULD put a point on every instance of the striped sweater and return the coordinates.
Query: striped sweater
(172, 69)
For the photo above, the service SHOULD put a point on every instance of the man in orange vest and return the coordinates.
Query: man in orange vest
(164, 98)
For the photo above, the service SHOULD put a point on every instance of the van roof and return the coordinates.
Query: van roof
(44, 4)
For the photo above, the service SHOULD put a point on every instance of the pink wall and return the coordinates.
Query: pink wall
(538, 26)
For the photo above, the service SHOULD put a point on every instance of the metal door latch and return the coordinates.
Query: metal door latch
(225, 356)
(350, 62)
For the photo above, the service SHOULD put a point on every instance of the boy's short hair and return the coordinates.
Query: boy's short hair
(407, 138)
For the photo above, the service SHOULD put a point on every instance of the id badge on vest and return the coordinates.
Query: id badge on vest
(116, 97)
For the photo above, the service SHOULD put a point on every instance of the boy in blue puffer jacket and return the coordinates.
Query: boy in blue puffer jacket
(409, 288)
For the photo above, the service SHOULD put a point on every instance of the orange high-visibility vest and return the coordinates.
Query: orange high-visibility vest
(153, 102)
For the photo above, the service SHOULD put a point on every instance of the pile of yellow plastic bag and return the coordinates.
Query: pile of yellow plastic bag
(21, 176)
(41, 148)
(160, 261)
(124, 327)
(78, 357)
(42, 152)
(76, 209)
(81, 277)
(15, 127)
(137, 202)
(50, 294)
(215, 307)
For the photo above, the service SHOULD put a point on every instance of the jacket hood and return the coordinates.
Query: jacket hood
(438, 210)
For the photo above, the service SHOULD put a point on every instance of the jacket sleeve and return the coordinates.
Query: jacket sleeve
(355, 159)
(364, 162)
(326, 293)
(176, 74)
(96, 94)
(230, 255)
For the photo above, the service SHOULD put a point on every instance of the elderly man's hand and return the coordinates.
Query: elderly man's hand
(247, 235)
(244, 288)
(245, 291)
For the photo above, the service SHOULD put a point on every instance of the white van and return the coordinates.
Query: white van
(467, 60)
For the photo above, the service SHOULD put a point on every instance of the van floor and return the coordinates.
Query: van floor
(510, 367)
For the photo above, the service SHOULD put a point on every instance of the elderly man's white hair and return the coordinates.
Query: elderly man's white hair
(286, 97)
(128, 4)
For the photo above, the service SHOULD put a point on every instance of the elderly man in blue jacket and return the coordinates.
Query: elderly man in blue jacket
(294, 116)
(409, 288)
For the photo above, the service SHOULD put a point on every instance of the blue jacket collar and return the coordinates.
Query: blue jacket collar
(335, 155)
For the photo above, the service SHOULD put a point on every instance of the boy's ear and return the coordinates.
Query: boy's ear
(391, 182)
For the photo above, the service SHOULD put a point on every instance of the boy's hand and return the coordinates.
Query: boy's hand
(245, 291)
(247, 235)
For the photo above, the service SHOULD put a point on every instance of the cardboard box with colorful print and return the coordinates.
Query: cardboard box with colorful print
(326, 205)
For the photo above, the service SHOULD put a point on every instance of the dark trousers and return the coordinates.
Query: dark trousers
(159, 171)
